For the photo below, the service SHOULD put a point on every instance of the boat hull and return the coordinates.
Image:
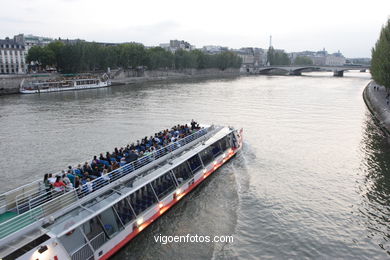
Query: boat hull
(80, 87)
(116, 244)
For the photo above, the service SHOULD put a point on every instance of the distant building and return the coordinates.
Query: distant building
(320, 58)
(248, 57)
(214, 49)
(12, 57)
(335, 59)
(252, 57)
(175, 45)
(260, 57)
(30, 40)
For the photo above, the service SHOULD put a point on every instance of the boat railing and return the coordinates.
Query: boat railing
(98, 240)
(20, 198)
(83, 253)
(47, 203)
(9, 199)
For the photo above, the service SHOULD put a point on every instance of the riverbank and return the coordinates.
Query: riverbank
(128, 77)
(374, 96)
(10, 84)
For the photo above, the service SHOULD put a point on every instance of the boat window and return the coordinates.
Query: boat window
(182, 172)
(163, 185)
(216, 148)
(195, 163)
(206, 155)
(74, 241)
(124, 211)
(111, 222)
(93, 230)
(142, 199)
(224, 143)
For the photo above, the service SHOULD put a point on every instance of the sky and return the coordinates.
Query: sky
(349, 26)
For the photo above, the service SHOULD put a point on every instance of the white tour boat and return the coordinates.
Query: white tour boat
(63, 84)
(95, 220)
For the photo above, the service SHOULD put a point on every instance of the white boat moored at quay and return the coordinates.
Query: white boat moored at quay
(63, 84)
(95, 220)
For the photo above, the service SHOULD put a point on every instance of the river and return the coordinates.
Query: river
(312, 180)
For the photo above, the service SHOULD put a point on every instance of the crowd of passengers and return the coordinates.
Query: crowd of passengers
(104, 164)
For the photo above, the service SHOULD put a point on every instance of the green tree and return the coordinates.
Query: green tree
(185, 59)
(380, 62)
(302, 60)
(158, 58)
(56, 48)
(41, 55)
(277, 57)
(91, 56)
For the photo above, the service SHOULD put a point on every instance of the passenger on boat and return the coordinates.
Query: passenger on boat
(119, 157)
(66, 181)
(114, 165)
(48, 185)
(132, 156)
(77, 182)
(70, 170)
(89, 185)
(59, 185)
(87, 169)
(51, 179)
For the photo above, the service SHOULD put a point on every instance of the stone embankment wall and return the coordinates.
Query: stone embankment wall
(10, 84)
(374, 96)
(127, 77)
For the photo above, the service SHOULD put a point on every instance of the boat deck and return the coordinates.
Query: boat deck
(11, 222)
(6, 216)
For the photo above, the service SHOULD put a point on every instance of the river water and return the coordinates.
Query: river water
(312, 180)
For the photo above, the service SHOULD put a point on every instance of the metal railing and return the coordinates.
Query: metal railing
(35, 191)
(49, 202)
(83, 253)
(98, 241)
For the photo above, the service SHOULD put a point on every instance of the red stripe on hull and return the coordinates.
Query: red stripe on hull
(166, 207)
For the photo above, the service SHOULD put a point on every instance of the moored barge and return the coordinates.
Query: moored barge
(63, 84)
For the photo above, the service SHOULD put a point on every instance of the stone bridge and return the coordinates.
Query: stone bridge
(338, 71)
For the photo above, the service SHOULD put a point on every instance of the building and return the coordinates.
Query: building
(335, 59)
(248, 57)
(252, 57)
(30, 40)
(12, 57)
(320, 58)
(260, 56)
(214, 49)
(175, 45)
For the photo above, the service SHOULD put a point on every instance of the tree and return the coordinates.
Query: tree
(302, 60)
(41, 55)
(276, 57)
(380, 62)
(91, 56)
(158, 58)
(56, 48)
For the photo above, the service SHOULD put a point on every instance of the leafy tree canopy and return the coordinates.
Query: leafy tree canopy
(380, 62)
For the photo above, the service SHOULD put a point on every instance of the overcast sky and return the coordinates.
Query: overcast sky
(349, 26)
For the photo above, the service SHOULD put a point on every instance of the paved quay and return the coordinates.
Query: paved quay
(378, 102)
